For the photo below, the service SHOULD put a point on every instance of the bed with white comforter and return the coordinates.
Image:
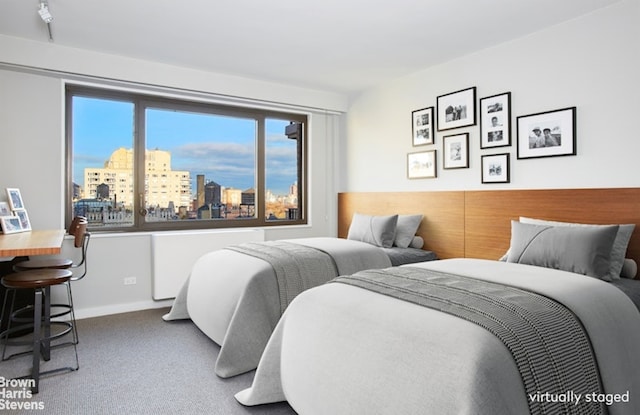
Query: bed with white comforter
(235, 300)
(348, 350)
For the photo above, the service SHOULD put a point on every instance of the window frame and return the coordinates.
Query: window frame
(141, 102)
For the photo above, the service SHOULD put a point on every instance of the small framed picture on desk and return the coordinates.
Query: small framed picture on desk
(4, 209)
(11, 224)
(15, 198)
(25, 224)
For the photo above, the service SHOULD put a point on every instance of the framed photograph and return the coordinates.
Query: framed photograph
(422, 126)
(25, 224)
(10, 224)
(457, 109)
(495, 168)
(421, 165)
(4, 209)
(15, 199)
(456, 151)
(495, 121)
(547, 134)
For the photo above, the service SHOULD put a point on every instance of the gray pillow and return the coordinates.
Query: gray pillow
(406, 229)
(375, 230)
(417, 242)
(618, 252)
(629, 269)
(580, 249)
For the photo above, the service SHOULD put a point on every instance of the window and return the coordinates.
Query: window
(139, 162)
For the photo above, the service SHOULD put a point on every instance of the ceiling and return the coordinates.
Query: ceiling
(342, 46)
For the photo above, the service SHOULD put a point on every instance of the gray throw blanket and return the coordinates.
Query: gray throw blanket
(549, 345)
(297, 267)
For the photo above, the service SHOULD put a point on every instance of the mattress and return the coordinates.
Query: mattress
(234, 298)
(370, 353)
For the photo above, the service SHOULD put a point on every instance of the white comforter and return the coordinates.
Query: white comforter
(233, 298)
(342, 349)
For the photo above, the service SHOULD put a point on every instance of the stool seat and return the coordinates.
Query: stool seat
(37, 278)
(57, 263)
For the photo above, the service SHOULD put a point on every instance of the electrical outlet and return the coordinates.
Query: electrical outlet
(130, 281)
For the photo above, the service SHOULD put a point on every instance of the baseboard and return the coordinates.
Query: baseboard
(121, 308)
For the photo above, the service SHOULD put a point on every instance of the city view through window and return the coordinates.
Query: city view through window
(198, 165)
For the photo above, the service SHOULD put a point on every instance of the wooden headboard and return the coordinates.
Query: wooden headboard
(477, 224)
(442, 226)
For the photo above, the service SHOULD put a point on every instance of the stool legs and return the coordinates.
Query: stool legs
(42, 333)
(37, 342)
(72, 314)
(7, 309)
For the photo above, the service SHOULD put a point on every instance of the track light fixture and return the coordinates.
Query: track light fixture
(45, 15)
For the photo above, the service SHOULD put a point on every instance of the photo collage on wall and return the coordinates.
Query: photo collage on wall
(544, 134)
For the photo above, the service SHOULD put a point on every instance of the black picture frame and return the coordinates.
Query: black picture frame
(457, 109)
(495, 121)
(495, 168)
(422, 130)
(455, 151)
(547, 134)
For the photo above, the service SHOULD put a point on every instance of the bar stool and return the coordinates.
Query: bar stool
(40, 281)
(77, 229)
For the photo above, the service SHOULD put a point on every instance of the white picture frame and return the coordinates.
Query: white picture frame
(25, 223)
(421, 165)
(5, 210)
(15, 198)
(10, 224)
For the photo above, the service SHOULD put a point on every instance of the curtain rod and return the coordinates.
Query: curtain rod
(161, 89)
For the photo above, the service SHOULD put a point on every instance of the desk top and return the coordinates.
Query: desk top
(31, 243)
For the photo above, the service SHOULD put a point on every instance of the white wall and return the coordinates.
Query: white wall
(32, 156)
(591, 62)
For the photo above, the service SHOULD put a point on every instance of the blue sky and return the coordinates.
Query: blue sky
(221, 148)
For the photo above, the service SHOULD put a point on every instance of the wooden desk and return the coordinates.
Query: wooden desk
(45, 242)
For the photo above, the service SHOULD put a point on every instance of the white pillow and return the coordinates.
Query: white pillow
(406, 229)
(618, 252)
(374, 230)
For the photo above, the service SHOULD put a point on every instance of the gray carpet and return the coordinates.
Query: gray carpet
(136, 363)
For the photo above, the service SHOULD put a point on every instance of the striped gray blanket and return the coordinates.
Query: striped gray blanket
(297, 267)
(549, 344)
